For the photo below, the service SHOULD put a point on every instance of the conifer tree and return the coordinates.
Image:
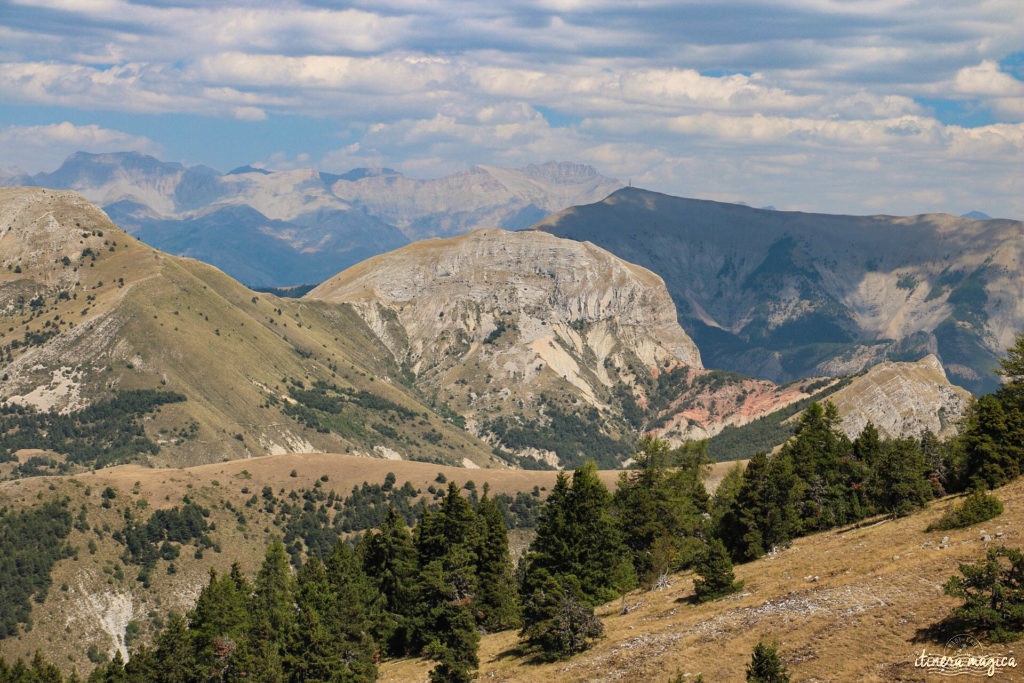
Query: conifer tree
(495, 599)
(558, 623)
(766, 666)
(449, 542)
(903, 478)
(992, 591)
(329, 641)
(992, 441)
(389, 560)
(173, 657)
(217, 622)
(659, 506)
(577, 536)
(716, 576)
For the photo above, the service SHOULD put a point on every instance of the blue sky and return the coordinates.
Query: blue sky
(896, 106)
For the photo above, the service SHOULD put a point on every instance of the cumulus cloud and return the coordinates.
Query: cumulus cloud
(805, 103)
(42, 148)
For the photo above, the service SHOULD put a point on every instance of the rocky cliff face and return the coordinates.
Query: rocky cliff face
(302, 226)
(525, 335)
(783, 295)
(87, 311)
(520, 305)
(902, 399)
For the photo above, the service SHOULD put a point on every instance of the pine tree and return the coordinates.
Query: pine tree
(766, 666)
(577, 536)
(495, 598)
(993, 595)
(389, 560)
(903, 478)
(328, 642)
(716, 575)
(217, 622)
(558, 623)
(992, 440)
(172, 655)
(659, 506)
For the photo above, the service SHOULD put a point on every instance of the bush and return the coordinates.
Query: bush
(715, 571)
(766, 666)
(993, 595)
(977, 507)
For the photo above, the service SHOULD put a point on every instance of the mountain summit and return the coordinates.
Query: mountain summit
(782, 294)
(278, 228)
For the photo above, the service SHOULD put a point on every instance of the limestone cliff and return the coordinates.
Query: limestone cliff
(902, 399)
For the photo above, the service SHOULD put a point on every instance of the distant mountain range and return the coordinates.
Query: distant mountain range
(781, 295)
(279, 228)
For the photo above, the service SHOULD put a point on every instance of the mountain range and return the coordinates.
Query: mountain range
(493, 348)
(278, 228)
(785, 294)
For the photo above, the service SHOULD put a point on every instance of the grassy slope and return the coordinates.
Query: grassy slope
(96, 606)
(877, 586)
(160, 321)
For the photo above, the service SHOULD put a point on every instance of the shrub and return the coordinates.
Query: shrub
(977, 507)
(766, 666)
(716, 577)
(993, 595)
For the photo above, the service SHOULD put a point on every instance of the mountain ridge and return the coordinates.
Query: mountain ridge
(789, 294)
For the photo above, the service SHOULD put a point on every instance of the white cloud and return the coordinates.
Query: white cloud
(42, 148)
(765, 100)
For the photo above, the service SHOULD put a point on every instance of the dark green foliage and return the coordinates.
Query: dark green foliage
(993, 595)
(558, 621)
(180, 524)
(820, 479)
(344, 411)
(902, 478)
(107, 432)
(495, 597)
(715, 571)
(993, 440)
(659, 507)
(31, 542)
(389, 559)
(766, 666)
(576, 436)
(577, 536)
(978, 506)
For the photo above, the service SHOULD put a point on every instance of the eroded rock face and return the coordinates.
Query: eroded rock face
(450, 296)
(785, 294)
(902, 399)
(493, 319)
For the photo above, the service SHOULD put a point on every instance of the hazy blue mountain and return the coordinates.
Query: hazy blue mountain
(783, 295)
(313, 224)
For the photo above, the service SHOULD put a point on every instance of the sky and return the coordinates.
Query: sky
(843, 106)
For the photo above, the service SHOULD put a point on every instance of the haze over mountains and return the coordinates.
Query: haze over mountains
(302, 226)
(782, 295)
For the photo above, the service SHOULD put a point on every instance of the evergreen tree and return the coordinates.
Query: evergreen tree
(329, 641)
(766, 666)
(659, 506)
(449, 543)
(903, 478)
(716, 576)
(993, 595)
(217, 622)
(389, 560)
(173, 658)
(495, 598)
(589, 545)
(448, 626)
(993, 440)
(558, 622)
